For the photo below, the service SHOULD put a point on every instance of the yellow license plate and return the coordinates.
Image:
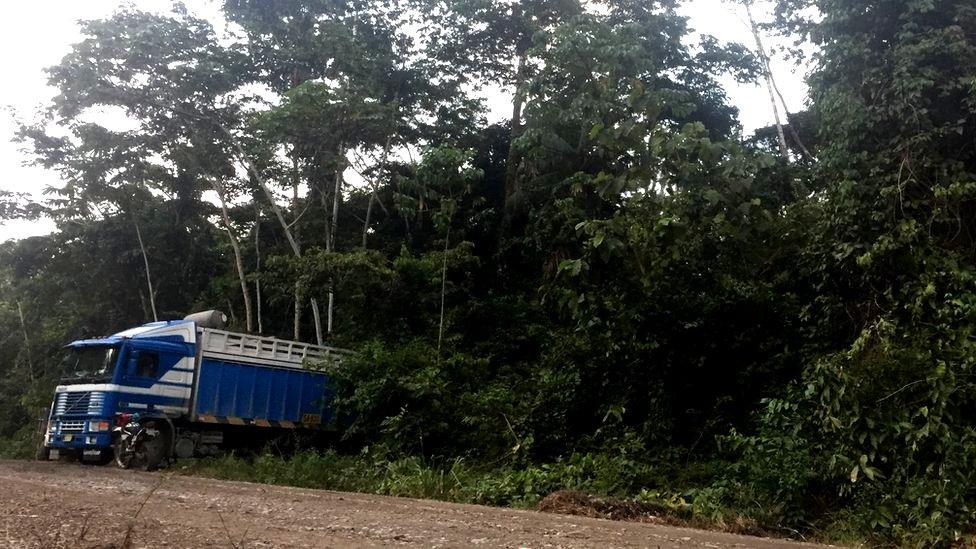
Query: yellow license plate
(69, 438)
(311, 419)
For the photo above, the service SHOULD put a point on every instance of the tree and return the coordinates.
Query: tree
(494, 40)
(131, 62)
(352, 83)
(883, 409)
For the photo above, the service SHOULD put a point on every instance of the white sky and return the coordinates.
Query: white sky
(37, 34)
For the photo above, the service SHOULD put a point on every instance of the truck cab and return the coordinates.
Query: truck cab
(147, 370)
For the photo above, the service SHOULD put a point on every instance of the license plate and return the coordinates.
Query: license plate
(69, 438)
(93, 453)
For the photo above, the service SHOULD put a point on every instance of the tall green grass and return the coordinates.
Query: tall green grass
(459, 480)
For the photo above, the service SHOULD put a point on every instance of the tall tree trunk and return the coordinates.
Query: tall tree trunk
(336, 197)
(326, 207)
(145, 306)
(230, 309)
(27, 345)
(381, 169)
(145, 260)
(295, 180)
(786, 109)
(297, 330)
(514, 158)
(257, 269)
(256, 174)
(330, 245)
(368, 220)
(319, 337)
(440, 329)
(267, 192)
(318, 321)
(783, 148)
(238, 260)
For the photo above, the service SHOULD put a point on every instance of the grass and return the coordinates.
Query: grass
(608, 482)
(454, 481)
(460, 481)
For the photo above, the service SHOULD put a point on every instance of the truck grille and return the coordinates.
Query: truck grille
(72, 426)
(79, 403)
(96, 402)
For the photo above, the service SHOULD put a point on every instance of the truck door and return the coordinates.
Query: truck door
(141, 368)
(157, 376)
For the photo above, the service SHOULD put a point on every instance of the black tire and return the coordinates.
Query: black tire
(157, 449)
(147, 454)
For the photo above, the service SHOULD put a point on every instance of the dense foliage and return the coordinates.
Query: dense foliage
(613, 291)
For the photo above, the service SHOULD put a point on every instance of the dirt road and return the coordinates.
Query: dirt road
(54, 505)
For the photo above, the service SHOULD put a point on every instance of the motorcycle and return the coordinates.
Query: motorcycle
(138, 444)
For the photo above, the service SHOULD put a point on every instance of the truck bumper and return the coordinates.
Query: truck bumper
(80, 441)
(84, 439)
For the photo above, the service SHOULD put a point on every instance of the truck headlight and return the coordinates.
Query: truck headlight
(98, 426)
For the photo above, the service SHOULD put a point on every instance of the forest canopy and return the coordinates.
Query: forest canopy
(777, 326)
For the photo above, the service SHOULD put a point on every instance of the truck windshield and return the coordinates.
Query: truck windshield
(89, 364)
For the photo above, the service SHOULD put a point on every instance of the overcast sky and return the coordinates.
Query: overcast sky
(37, 34)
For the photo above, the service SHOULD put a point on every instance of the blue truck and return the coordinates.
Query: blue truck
(185, 388)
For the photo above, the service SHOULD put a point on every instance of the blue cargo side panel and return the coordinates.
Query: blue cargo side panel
(251, 392)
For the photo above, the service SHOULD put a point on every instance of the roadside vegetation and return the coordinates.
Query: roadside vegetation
(615, 291)
(621, 488)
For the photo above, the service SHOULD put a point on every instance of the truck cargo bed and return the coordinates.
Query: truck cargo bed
(249, 394)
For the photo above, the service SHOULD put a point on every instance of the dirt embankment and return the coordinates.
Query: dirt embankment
(53, 505)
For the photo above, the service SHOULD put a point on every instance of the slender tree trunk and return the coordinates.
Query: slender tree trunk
(783, 148)
(238, 260)
(514, 158)
(297, 330)
(318, 321)
(27, 345)
(331, 309)
(145, 260)
(326, 207)
(440, 329)
(145, 306)
(319, 337)
(278, 214)
(789, 117)
(267, 193)
(336, 197)
(257, 269)
(295, 179)
(331, 243)
(230, 309)
(382, 168)
(369, 215)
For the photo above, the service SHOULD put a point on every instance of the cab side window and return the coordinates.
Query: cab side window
(147, 364)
